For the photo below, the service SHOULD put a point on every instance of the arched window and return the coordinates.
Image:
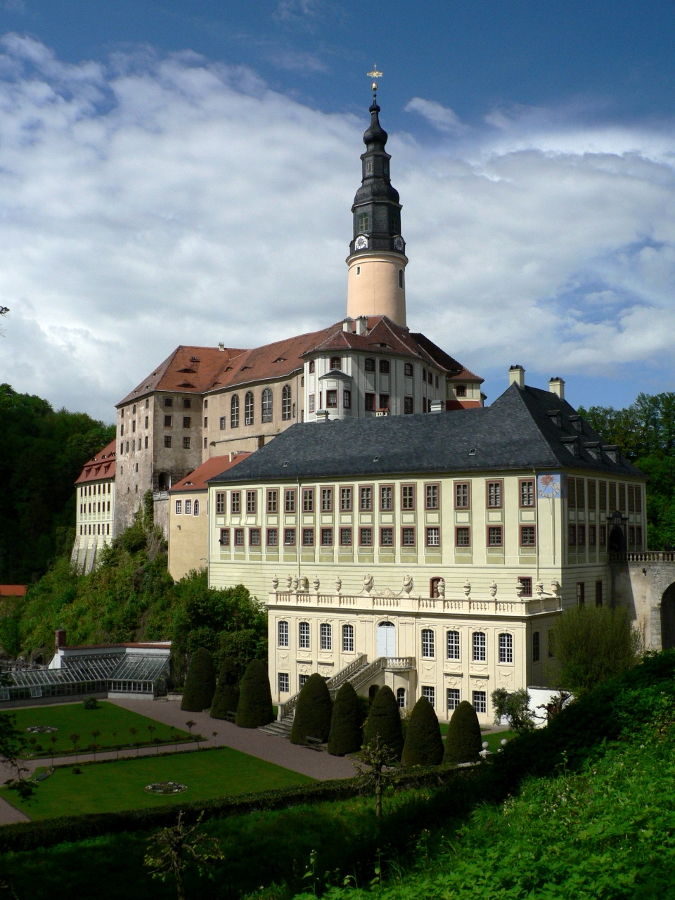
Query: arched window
(303, 635)
(453, 645)
(248, 408)
(283, 634)
(196, 508)
(286, 403)
(267, 405)
(400, 698)
(505, 648)
(234, 411)
(326, 637)
(478, 643)
(347, 638)
(427, 643)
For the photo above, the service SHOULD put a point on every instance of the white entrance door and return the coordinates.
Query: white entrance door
(386, 639)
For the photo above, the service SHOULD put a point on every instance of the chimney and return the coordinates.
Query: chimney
(362, 324)
(347, 324)
(437, 406)
(59, 638)
(221, 346)
(517, 376)
(322, 415)
(557, 386)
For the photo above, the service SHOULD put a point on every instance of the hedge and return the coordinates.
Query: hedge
(384, 721)
(463, 742)
(226, 698)
(200, 683)
(255, 697)
(423, 743)
(345, 725)
(313, 712)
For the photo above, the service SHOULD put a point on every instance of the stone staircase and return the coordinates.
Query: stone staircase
(280, 728)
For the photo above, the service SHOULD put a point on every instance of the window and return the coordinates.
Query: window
(408, 406)
(289, 501)
(345, 499)
(434, 536)
(631, 535)
(495, 536)
(408, 496)
(251, 497)
(187, 421)
(370, 402)
(311, 366)
(345, 537)
(168, 401)
(234, 411)
(308, 500)
(535, 646)
(179, 507)
(347, 399)
(188, 507)
(581, 493)
(347, 638)
(527, 536)
(272, 537)
(186, 443)
(369, 365)
(505, 648)
(638, 498)
(286, 403)
(591, 488)
(289, 537)
(187, 403)
(434, 584)
(303, 635)
(386, 497)
(366, 537)
(326, 499)
(284, 681)
(612, 497)
(195, 509)
(400, 278)
(365, 499)
(408, 370)
(527, 492)
(598, 593)
(238, 537)
(480, 701)
(602, 495)
(248, 408)
(602, 535)
(430, 693)
(336, 362)
(638, 535)
(462, 495)
(526, 582)
(408, 537)
(622, 498)
(592, 535)
(272, 501)
(168, 421)
(267, 405)
(384, 401)
(581, 536)
(463, 536)
(400, 697)
(478, 646)
(303, 681)
(331, 399)
(254, 537)
(307, 537)
(311, 403)
(235, 502)
(494, 494)
(431, 492)
(581, 593)
(364, 222)
(224, 537)
(452, 699)
(453, 644)
(424, 375)
(326, 636)
(460, 390)
(386, 537)
(326, 537)
(572, 535)
(384, 367)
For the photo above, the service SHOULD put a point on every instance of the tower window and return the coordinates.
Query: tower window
(400, 278)
(358, 270)
(364, 222)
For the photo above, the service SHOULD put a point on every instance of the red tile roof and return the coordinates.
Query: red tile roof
(100, 467)
(196, 481)
(13, 590)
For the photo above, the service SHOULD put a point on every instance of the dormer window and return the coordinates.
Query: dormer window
(612, 452)
(555, 417)
(336, 362)
(571, 444)
(593, 448)
(576, 422)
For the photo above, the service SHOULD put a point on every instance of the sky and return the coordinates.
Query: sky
(182, 172)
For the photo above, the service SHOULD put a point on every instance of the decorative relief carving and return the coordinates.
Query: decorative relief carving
(275, 584)
(493, 589)
(407, 583)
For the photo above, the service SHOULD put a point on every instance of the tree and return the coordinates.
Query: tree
(171, 849)
(226, 697)
(463, 742)
(255, 697)
(313, 712)
(12, 742)
(200, 684)
(593, 644)
(346, 734)
(384, 721)
(515, 707)
(377, 756)
(423, 743)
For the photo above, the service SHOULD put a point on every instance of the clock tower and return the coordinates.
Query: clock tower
(377, 260)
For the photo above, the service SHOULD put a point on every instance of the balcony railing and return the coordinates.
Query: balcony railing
(643, 556)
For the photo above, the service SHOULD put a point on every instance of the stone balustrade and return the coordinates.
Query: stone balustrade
(643, 556)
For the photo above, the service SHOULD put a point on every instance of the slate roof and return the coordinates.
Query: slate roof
(516, 432)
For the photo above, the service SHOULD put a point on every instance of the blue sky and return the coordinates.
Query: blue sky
(168, 167)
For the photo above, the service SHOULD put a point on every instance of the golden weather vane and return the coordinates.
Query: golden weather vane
(374, 74)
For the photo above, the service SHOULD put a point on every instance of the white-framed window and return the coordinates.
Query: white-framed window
(478, 644)
(434, 536)
(428, 643)
(400, 698)
(188, 507)
(347, 638)
(452, 699)
(303, 681)
(286, 403)
(480, 701)
(283, 634)
(453, 644)
(267, 405)
(284, 683)
(179, 507)
(429, 692)
(505, 648)
(234, 411)
(303, 635)
(326, 636)
(248, 408)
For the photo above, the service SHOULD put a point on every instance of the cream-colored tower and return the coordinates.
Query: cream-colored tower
(377, 260)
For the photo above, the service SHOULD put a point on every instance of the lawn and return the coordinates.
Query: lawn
(113, 786)
(112, 721)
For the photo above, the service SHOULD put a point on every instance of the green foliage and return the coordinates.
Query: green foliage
(345, 724)
(200, 684)
(463, 741)
(514, 707)
(10, 631)
(90, 703)
(255, 697)
(226, 697)
(38, 448)
(593, 644)
(12, 741)
(423, 744)
(313, 712)
(384, 722)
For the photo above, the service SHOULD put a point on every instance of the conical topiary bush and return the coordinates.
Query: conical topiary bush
(226, 697)
(345, 724)
(255, 697)
(384, 719)
(200, 683)
(313, 712)
(423, 743)
(463, 741)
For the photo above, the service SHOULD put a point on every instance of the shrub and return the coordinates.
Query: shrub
(255, 697)
(515, 707)
(345, 725)
(384, 721)
(90, 703)
(463, 741)
(200, 683)
(226, 697)
(423, 743)
(313, 712)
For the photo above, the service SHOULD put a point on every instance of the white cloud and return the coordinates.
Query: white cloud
(162, 201)
(442, 118)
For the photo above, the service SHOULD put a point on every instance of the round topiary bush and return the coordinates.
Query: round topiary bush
(345, 725)
(200, 683)
(384, 719)
(423, 743)
(255, 697)
(463, 741)
(313, 712)
(226, 697)
(90, 703)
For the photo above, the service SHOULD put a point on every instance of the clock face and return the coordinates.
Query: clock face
(361, 242)
(398, 243)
